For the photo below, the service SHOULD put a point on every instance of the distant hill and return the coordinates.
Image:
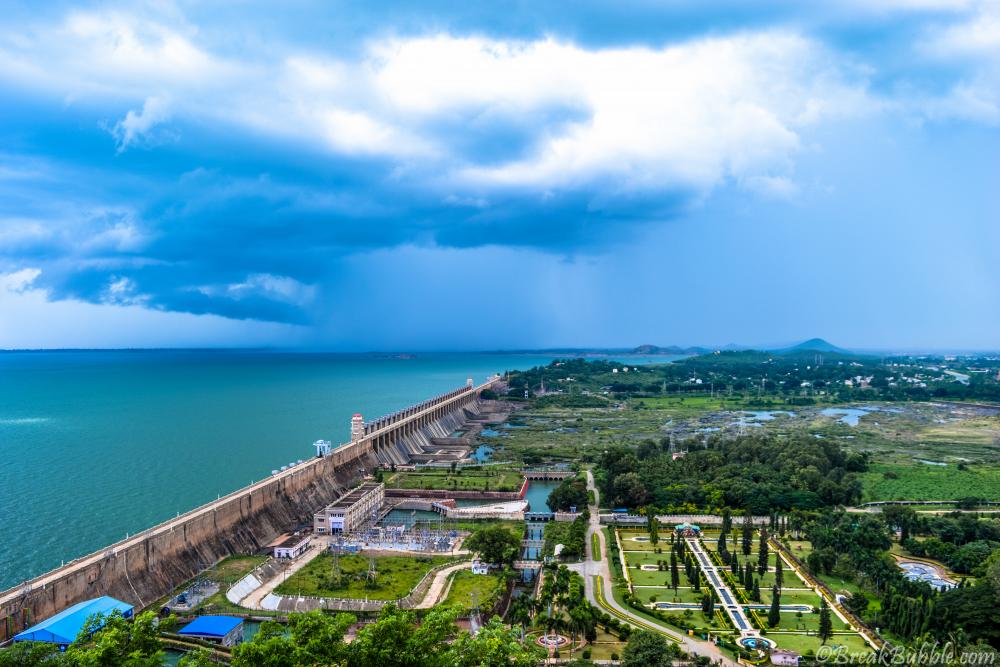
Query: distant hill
(813, 345)
(670, 349)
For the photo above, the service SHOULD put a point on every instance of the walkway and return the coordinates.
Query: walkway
(439, 586)
(253, 600)
(729, 601)
(596, 572)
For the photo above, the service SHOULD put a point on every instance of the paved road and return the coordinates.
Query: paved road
(253, 600)
(437, 588)
(598, 570)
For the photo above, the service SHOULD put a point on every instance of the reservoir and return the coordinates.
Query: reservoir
(97, 444)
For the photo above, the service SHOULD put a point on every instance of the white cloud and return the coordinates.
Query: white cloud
(136, 126)
(277, 288)
(687, 115)
(972, 42)
(17, 282)
(280, 288)
(28, 319)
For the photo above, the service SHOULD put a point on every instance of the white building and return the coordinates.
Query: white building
(350, 511)
(292, 546)
(780, 656)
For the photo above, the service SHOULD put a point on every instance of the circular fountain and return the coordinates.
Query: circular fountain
(552, 641)
(756, 643)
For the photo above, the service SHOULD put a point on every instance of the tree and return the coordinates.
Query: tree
(857, 603)
(494, 544)
(312, 638)
(649, 649)
(628, 490)
(901, 518)
(707, 605)
(727, 520)
(762, 553)
(396, 640)
(32, 654)
(779, 572)
(653, 525)
(572, 492)
(774, 613)
(495, 645)
(200, 658)
(747, 536)
(675, 578)
(825, 625)
(113, 640)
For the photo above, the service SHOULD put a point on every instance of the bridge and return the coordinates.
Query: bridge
(547, 475)
(528, 565)
(539, 516)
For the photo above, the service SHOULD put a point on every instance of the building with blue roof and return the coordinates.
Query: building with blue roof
(224, 630)
(63, 628)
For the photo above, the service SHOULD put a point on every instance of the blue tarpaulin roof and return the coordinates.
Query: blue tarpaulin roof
(66, 625)
(211, 626)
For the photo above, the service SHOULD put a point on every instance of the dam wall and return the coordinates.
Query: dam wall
(147, 566)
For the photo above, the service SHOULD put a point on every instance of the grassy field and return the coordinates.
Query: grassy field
(894, 434)
(479, 479)
(397, 575)
(468, 589)
(803, 643)
(226, 572)
(918, 481)
(234, 568)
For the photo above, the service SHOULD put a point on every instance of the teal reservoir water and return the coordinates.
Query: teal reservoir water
(94, 445)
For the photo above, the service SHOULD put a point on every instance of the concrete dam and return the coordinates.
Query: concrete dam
(147, 566)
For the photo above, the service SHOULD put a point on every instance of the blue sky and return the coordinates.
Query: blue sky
(467, 175)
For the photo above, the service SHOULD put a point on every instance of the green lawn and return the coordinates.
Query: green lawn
(803, 643)
(468, 589)
(232, 569)
(485, 479)
(918, 481)
(664, 594)
(397, 575)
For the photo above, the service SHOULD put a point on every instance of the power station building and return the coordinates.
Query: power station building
(350, 511)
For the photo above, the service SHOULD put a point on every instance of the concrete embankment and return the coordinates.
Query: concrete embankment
(148, 565)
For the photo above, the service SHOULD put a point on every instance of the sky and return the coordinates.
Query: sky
(436, 175)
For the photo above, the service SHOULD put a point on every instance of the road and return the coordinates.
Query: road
(253, 600)
(598, 581)
(439, 585)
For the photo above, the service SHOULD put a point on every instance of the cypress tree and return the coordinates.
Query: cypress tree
(762, 555)
(774, 613)
(755, 596)
(825, 625)
(722, 544)
(747, 536)
(652, 525)
(748, 577)
(779, 573)
(727, 520)
(675, 578)
(734, 565)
